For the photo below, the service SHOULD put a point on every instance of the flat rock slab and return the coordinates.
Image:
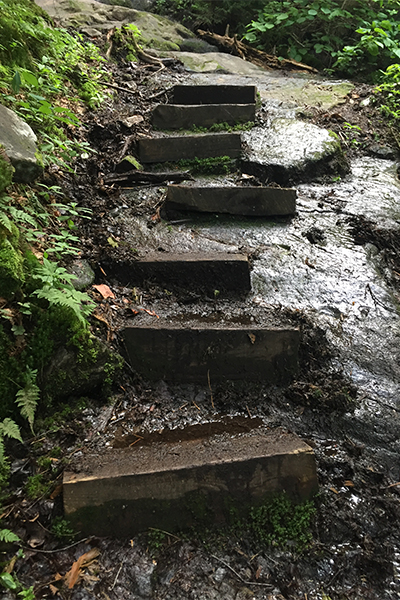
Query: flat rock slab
(246, 201)
(173, 486)
(178, 116)
(203, 351)
(214, 94)
(19, 142)
(292, 151)
(200, 271)
(173, 148)
(215, 62)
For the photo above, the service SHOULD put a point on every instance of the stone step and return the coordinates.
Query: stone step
(201, 350)
(214, 94)
(247, 201)
(175, 484)
(174, 116)
(200, 271)
(173, 148)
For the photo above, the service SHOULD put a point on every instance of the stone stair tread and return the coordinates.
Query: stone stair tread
(174, 148)
(123, 491)
(214, 94)
(205, 271)
(181, 116)
(234, 200)
(193, 352)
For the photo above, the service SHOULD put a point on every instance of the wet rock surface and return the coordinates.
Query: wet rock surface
(290, 150)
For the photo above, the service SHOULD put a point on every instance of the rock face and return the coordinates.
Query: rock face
(19, 142)
(92, 17)
(291, 150)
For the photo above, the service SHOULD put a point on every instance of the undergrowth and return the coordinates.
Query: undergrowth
(219, 165)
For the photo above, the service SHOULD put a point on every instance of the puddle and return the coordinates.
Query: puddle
(226, 426)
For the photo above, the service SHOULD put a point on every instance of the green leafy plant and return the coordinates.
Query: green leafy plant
(280, 522)
(57, 289)
(27, 397)
(388, 93)
(9, 537)
(62, 529)
(8, 428)
(352, 38)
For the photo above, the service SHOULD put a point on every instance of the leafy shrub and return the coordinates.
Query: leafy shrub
(211, 14)
(348, 36)
(388, 93)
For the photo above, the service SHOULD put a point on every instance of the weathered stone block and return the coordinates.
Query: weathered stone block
(248, 201)
(173, 116)
(221, 352)
(214, 94)
(173, 148)
(173, 485)
(205, 271)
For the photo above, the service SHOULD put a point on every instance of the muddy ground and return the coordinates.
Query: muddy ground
(355, 548)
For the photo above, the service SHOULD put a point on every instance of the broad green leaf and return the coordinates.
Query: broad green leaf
(16, 82)
(30, 79)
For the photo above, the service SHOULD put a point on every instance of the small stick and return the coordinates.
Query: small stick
(116, 87)
(248, 410)
(239, 576)
(209, 385)
(166, 533)
(57, 550)
(196, 406)
(117, 575)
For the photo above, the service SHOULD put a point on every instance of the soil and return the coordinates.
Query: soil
(354, 553)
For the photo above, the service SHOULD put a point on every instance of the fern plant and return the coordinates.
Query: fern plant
(8, 428)
(58, 290)
(27, 398)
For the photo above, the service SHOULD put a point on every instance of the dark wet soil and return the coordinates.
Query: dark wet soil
(355, 548)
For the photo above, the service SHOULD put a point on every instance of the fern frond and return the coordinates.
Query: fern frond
(8, 536)
(21, 216)
(9, 428)
(69, 298)
(5, 222)
(27, 400)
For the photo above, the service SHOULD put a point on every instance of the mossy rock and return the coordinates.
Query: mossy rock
(73, 372)
(11, 263)
(6, 170)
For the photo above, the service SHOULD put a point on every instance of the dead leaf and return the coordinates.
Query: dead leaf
(348, 483)
(10, 567)
(252, 337)
(53, 589)
(56, 492)
(113, 243)
(134, 120)
(83, 561)
(333, 490)
(258, 572)
(104, 290)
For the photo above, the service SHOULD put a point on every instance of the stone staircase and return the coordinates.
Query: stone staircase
(157, 484)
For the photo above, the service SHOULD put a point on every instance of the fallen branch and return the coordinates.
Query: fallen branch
(117, 87)
(147, 177)
(144, 57)
(257, 57)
